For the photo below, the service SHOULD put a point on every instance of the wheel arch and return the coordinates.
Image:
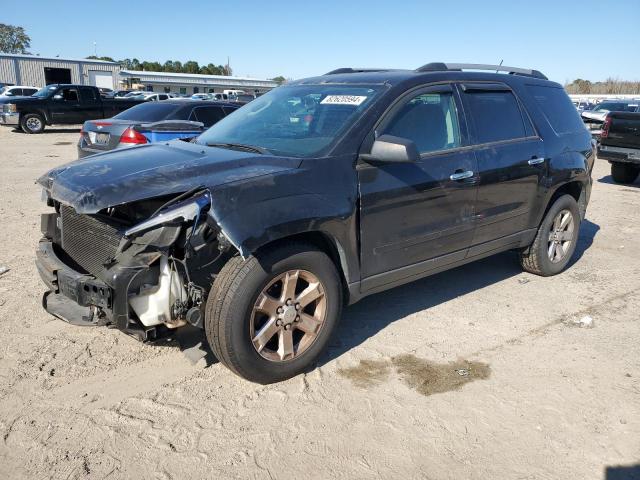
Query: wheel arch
(324, 242)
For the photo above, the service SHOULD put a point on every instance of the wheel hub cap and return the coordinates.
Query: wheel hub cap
(560, 236)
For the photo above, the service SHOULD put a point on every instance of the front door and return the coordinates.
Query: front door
(418, 215)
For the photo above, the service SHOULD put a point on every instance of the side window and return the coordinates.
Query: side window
(429, 120)
(207, 115)
(88, 95)
(496, 116)
(70, 94)
(557, 108)
(29, 91)
(18, 91)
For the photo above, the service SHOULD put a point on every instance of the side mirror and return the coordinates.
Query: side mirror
(388, 148)
(9, 94)
(57, 97)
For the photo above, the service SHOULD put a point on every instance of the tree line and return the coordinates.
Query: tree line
(171, 66)
(609, 86)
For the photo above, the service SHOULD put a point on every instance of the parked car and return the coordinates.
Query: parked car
(200, 96)
(17, 91)
(221, 97)
(59, 104)
(583, 105)
(594, 118)
(620, 145)
(150, 122)
(105, 92)
(121, 93)
(274, 218)
(245, 98)
(150, 96)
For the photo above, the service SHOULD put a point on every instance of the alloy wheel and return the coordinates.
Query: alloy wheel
(561, 236)
(287, 316)
(34, 124)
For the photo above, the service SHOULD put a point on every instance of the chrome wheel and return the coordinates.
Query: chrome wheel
(288, 315)
(34, 124)
(561, 236)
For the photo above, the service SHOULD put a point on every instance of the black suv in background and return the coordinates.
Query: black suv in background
(151, 122)
(315, 195)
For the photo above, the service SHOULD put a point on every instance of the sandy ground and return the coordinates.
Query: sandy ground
(474, 373)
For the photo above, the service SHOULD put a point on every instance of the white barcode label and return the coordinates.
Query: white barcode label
(343, 100)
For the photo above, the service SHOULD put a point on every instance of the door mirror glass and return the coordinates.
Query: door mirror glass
(57, 97)
(9, 94)
(388, 148)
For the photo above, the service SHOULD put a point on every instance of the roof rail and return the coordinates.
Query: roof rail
(440, 67)
(356, 70)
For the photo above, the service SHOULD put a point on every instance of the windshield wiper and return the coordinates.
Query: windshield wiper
(239, 146)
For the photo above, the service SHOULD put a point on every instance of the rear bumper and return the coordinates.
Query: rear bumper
(9, 119)
(619, 154)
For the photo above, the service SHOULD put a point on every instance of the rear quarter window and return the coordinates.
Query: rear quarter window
(557, 108)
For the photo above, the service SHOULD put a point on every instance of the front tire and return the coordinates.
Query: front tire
(556, 239)
(32, 123)
(624, 172)
(269, 317)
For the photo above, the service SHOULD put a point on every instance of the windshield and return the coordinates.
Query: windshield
(45, 92)
(297, 120)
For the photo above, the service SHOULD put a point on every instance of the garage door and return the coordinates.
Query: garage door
(101, 79)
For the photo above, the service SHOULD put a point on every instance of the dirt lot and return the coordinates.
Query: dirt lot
(479, 372)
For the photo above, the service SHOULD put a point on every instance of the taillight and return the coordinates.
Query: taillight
(605, 127)
(131, 135)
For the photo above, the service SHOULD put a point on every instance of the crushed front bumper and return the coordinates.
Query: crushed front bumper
(82, 299)
(9, 119)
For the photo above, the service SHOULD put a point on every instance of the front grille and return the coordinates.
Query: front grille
(89, 241)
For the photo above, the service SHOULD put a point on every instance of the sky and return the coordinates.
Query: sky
(565, 39)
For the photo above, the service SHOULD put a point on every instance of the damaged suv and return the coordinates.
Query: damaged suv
(311, 197)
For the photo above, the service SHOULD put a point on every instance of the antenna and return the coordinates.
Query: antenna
(500, 64)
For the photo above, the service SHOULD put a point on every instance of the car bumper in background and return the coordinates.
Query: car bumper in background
(619, 154)
(9, 118)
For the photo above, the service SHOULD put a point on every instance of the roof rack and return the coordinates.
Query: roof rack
(356, 70)
(441, 67)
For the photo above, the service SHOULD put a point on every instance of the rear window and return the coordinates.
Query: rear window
(495, 115)
(557, 108)
(148, 112)
(207, 115)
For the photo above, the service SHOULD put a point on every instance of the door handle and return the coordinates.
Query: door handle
(536, 161)
(461, 175)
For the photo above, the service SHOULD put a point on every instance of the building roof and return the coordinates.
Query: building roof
(195, 78)
(59, 59)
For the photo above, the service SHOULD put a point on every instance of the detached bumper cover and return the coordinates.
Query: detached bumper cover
(9, 118)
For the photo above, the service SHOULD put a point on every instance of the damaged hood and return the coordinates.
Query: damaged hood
(128, 175)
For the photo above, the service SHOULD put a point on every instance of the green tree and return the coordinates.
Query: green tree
(279, 79)
(13, 39)
(106, 59)
(191, 67)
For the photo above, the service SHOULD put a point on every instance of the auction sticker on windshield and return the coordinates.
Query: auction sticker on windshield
(343, 100)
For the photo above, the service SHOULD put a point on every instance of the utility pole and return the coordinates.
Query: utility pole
(95, 49)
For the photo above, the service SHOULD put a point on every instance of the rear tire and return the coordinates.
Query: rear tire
(254, 331)
(556, 239)
(624, 172)
(32, 123)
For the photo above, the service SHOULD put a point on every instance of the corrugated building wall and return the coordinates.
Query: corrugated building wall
(30, 69)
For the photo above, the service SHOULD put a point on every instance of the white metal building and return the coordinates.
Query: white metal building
(39, 71)
(189, 83)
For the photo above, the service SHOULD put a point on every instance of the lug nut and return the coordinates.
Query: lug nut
(279, 310)
(297, 306)
(278, 323)
(288, 301)
(297, 318)
(287, 326)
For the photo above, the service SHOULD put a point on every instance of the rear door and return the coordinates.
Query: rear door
(511, 161)
(419, 215)
(91, 104)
